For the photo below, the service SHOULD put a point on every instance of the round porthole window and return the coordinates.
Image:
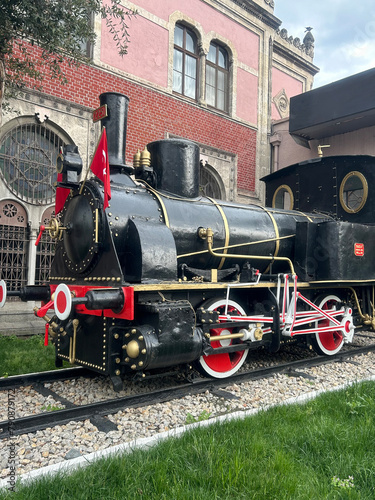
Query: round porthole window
(353, 192)
(283, 198)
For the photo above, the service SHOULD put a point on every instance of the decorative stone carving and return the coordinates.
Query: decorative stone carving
(281, 102)
(201, 51)
(271, 3)
(308, 42)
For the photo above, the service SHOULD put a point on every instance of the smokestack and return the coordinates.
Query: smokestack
(116, 124)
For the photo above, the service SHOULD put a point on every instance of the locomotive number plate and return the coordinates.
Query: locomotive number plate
(359, 249)
(100, 113)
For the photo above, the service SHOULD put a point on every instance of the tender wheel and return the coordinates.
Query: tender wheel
(225, 364)
(328, 343)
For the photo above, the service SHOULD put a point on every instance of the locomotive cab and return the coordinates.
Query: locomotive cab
(338, 186)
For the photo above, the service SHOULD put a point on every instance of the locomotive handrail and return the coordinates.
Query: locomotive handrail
(269, 240)
(207, 233)
(232, 285)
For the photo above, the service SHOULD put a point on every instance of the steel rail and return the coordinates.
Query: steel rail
(43, 377)
(101, 409)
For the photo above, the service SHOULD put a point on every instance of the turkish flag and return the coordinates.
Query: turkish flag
(61, 195)
(100, 166)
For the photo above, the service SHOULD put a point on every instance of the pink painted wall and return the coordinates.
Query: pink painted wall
(246, 42)
(147, 56)
(280, 81)
(247, 96)
(358, 142)
(148, 50)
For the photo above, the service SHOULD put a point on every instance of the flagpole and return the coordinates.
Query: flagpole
(93, 156)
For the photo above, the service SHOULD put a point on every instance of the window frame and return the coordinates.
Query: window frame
(284, 188)
(22, 145)
(219, 69)
(344, 196)
(186, 53)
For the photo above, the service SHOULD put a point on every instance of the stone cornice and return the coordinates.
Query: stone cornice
(296, 42)
(259, 12)
(291, 55)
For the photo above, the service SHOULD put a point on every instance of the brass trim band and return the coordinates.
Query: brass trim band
(159, 198)
(277, 235)
(226, 228)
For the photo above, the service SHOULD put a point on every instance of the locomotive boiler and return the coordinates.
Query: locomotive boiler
(164, 276)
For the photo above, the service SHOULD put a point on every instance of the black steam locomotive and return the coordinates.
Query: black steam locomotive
(164, 276)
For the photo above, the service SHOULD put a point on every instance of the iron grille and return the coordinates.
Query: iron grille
(45, 250)
(44, 255)
(14, 243)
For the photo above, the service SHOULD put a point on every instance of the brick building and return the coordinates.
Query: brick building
(213, 71)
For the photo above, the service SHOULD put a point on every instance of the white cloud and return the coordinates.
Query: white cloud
(344, 36)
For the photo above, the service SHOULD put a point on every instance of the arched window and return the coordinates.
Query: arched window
(14, 236)
(209, 184)
(217, 78)
(185, 62)
(28, 155)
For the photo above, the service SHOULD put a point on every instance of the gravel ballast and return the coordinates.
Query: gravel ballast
(67, 442)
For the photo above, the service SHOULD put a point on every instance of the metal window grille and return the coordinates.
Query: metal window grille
(14, 243)
(28, 155)
(44, 253)
(44, 257)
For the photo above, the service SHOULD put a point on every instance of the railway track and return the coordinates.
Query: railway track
(98, 411)
(43, 377)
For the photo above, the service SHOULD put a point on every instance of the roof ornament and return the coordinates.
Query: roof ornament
(308, 41)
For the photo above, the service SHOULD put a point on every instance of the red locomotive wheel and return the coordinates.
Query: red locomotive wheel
(328, 343)
(225, 364)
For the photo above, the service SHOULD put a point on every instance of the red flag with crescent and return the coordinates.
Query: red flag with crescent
(100, 166)
(61, 195)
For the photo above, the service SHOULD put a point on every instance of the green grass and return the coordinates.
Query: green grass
(323, 449)
(29, 355)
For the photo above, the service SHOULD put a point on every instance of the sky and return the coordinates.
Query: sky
(344, 32)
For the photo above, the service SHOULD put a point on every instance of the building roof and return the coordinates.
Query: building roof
(333, 109)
